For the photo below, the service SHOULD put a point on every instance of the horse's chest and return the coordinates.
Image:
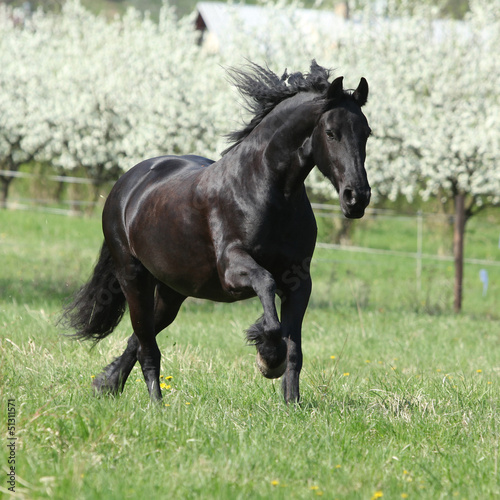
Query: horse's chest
(281, 240)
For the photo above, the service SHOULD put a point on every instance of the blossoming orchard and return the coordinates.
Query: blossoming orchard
(80, 91)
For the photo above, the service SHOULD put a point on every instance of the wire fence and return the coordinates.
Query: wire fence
(419, 255)
(77, 207)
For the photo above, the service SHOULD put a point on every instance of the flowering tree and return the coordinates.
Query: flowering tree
(134, 93)
(24, 117)
(435, 108)
(79, 91)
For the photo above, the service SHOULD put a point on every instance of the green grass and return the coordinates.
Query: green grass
(400, 396)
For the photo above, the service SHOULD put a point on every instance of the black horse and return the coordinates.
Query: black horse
(180, 226)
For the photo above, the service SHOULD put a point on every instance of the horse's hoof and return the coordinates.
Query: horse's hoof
(270, 372)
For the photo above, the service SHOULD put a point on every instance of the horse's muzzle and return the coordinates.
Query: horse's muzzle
(353, 201)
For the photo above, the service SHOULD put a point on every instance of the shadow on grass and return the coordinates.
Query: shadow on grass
(42, 291)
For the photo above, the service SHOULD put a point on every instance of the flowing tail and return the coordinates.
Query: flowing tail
(99, 305)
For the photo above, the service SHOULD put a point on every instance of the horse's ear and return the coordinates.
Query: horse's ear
(361, 93)
(336, 89)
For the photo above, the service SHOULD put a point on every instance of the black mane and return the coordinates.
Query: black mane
(263, 90)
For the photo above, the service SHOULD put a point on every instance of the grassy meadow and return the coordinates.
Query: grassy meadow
(400, 397)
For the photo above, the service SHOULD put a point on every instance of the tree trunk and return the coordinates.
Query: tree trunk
(4, 191)
(458, 249)
(345, 229)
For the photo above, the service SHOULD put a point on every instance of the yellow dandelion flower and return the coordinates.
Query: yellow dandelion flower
(404, 495)
(405, 472)
(92, 376)
(346, 374)
(314, 488)
(188, 403)
(479, 371)
(332, 357)
(377, 494)
(163, 385)
(274, 482)
(161, 376)
(166, 404)
(169, 377)
(338, 466)
(367, 361)
(319, 493)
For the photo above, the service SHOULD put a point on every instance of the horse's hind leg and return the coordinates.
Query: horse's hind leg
(112, 379)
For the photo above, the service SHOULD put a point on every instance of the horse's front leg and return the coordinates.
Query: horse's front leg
(241, 274)
(293, 308)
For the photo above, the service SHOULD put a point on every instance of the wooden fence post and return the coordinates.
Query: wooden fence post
(458, 249)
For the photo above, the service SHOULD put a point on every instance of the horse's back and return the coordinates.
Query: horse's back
(149, 175)
(160, 168)
(172, 163)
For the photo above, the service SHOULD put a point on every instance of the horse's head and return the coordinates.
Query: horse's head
(339, 146)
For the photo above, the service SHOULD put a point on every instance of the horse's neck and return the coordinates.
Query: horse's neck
(277, 155)
(288, 154)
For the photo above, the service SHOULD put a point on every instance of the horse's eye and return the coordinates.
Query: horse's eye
(332, 135)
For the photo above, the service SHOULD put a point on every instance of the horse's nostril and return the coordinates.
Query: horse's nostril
(349, 197)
